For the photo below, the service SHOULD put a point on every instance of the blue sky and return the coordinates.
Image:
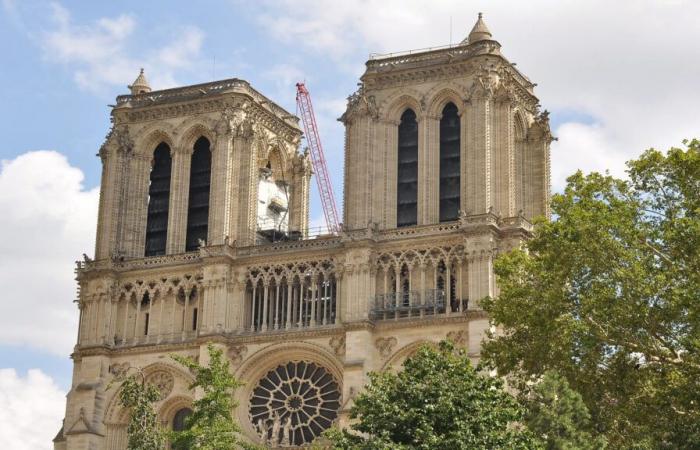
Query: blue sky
(618, 77)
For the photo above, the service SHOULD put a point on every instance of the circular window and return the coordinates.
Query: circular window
(294, 403)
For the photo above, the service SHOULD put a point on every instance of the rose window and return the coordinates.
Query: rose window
(294, 403)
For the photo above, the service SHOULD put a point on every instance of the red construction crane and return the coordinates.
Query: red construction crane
(323, 181)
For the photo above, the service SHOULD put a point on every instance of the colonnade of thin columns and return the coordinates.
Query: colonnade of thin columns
(103, 321)
(396, 301)
(282, 305)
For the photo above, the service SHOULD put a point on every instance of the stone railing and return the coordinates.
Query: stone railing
(138, 263)
(199, 90)
(406, 304)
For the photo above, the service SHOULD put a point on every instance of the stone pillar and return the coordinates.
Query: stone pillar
(428, 170)
(244, 190)
(503, 156)
(476, 167)
(537, 163)
(360, 160)
(179, 196)
(391, 178)
(113, 163)
(481, 283)
(299, 195)
(221, 181)
(133, 232)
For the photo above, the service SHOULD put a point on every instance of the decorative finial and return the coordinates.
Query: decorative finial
(140, 85)
(481, 15)
(480, 32)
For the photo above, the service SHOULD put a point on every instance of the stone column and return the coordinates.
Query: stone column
(476, 167)
(503, 156)
(244, 190)
(428, 170)
(480, 268)
(391, 174)
(299, 195)
(133, 232)
(179, 197)
(221, 181)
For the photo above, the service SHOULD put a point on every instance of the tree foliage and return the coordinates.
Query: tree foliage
(437, 401)
(607, 295)
(143, 431)
(558, 416)
(211, 425)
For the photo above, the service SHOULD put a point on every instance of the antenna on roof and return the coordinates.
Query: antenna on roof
(450, 30)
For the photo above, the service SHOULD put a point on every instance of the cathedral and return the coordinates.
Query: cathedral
(203, 237)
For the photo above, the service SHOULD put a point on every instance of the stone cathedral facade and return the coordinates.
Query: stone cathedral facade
(203, 237)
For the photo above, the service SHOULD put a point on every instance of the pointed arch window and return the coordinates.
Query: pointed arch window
(158, 201)
(198, 203)
(407, 182)
(449, 163)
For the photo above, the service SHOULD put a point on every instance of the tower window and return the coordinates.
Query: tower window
(449, 163)
(158, 201)
(198, 203)
(194, 319)
(407, 186)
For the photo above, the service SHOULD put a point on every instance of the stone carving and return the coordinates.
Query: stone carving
(458, 337)
(385, 346)
(337, 343)
(163, 381)
(236, 353)
(119, 369)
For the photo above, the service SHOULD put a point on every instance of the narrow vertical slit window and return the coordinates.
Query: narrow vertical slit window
(158, 201)
(194, 319)
(198, 203)
(407, 187)
(449, 163)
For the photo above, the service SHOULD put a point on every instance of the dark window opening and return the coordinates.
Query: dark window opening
(407, 187)
(198, 203)
(145, 328)
(449, 163)
(158, 201)
(180, 419)
(194, 319)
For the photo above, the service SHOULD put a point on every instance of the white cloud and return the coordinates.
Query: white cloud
(632, 65)
(49, 220)
(31, 412)
(102, 54)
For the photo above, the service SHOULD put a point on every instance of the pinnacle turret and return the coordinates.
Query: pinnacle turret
(480, 32)
(140, 85)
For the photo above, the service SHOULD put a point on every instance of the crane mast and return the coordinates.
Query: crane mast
(318, 160)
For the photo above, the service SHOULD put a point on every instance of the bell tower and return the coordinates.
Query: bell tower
(450, 131)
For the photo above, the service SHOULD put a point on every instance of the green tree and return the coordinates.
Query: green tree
(143, 431)
(558, 416)
(608, 295)
(438, 401)
(211, 425)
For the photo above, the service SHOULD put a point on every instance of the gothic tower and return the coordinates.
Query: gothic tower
(203, 237)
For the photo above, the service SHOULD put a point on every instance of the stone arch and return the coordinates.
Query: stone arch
(116, 414)
(396, 360)
(148, 139)
(520, 124)
(193, 129)
(395, 107)
(443, 94)
(171, 406)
